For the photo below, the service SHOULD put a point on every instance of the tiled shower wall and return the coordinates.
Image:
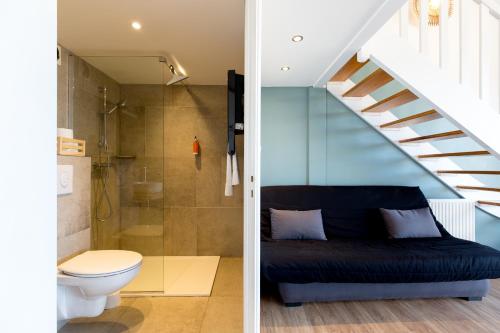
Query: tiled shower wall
(87, 103)
(193, 217)
(198, 218)
(141, 138)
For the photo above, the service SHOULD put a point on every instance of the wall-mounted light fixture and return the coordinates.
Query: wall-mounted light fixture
(434, 8)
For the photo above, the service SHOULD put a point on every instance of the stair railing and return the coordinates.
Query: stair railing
(461, 37)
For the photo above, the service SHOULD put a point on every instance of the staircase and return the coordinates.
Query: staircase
(384, 116)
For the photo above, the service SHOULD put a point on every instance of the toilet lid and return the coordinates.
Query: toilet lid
(101, 263)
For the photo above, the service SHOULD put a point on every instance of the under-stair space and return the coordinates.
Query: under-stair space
(411, 123)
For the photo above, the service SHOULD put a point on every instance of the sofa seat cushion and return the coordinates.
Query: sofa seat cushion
(378, 260)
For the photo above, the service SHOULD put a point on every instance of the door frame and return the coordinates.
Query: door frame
(251, 184)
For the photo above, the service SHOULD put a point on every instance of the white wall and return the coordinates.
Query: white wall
(28, 165)
(470, 48)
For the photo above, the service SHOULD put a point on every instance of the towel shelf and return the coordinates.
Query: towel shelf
(70, 147)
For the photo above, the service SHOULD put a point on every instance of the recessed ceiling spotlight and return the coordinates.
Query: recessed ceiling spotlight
(297, 38)
(136, 25)
(285, 68)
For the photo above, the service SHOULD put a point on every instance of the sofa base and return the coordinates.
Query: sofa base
(292, 305)
(293, 293)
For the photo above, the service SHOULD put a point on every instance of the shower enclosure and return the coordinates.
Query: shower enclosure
(165, 204)
(118, 105)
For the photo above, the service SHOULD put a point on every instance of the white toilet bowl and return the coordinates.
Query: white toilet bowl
(85, 282)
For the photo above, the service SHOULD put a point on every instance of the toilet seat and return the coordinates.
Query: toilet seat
(101, 263)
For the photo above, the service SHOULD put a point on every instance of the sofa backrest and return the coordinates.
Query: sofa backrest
(348, 211)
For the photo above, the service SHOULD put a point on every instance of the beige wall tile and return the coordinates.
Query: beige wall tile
(212, 134)
(142, 94)
(208, 182)
(132, 132)
(154, 131)
(220, 231)
(179, 182)
(180, 231)
(213, 98)
(179, 131)
(201, 111)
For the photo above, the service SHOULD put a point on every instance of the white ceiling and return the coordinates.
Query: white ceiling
(327, 26)
(205, 38)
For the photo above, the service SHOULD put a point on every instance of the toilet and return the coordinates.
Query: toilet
(89, 283)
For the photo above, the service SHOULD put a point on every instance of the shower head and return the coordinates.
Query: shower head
(120, 104)
(175, 77)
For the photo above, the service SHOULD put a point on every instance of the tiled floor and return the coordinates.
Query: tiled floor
(222, 312)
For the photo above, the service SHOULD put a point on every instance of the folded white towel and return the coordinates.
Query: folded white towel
(236, 176)
(232, 175)
(228, 192)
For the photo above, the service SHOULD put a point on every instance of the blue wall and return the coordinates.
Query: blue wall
(309, 137)
(284, 136)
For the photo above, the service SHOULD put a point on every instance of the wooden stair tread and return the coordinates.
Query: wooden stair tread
(369, 84)
(413, 119)
(471, 172)
(435, 137)
(391, 102)
(461, 153)
(491, 203)
(478, 188)
(350, 67)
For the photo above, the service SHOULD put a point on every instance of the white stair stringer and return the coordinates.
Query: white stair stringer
(356, 104)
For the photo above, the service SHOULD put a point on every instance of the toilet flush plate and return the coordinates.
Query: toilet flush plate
(64, 179)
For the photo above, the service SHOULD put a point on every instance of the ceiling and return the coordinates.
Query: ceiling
(327, 26)
(201, 38)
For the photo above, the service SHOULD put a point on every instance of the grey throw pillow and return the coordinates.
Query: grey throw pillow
(413, 223)
(295, 224)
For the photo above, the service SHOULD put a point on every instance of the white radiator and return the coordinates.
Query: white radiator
(458, 216)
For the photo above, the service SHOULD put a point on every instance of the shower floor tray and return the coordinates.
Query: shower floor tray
(174, 276)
